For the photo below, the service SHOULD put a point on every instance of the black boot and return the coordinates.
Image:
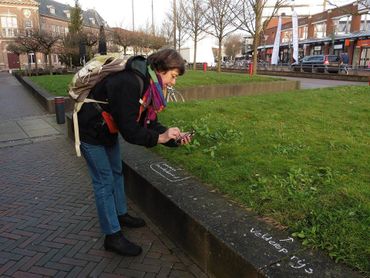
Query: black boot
(118, 243)
(130, 221)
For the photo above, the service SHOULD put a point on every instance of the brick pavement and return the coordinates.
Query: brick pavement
(49, 225)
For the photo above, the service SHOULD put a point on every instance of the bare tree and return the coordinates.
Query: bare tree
(179, 22)
(233, 45)
(193, 10)
(123, 38)
(220, 15)
(30, 44)
(361, 4)
(47, 42)
(249, 19)
(166, 31)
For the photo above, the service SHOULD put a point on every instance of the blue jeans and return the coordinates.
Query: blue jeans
(105, 168)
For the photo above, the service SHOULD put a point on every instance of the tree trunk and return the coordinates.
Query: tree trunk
(195, 54)
(255, 53)
(50, 65)
(219, 55)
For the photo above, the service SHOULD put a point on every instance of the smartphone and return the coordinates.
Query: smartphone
(190, 134)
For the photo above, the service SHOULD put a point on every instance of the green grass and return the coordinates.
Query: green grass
(54, 84)
(300, 158)
(58, 84)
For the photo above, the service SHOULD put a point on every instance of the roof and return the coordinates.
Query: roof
(20, 2)
(356, 35)
(90, 17)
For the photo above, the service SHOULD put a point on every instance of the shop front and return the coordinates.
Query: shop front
(364, 47)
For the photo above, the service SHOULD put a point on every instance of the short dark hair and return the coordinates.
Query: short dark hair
(167, 59)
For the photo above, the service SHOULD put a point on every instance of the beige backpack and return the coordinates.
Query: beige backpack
(85, 79)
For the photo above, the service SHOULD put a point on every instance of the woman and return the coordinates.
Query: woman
(134, 96)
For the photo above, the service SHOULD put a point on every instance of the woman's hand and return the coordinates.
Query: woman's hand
(171, 133)
(184, 138)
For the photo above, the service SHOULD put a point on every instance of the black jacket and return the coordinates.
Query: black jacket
(122, 91)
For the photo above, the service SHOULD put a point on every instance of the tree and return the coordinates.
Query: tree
(76, 22)
(193, 11)
(166, 31)
(179, 22)
(233, 45)
(47, 42)
(249, 18)
(123, 38)
(89, 39)
(30, 45)
(220, 15)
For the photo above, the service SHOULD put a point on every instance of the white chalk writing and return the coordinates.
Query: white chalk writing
(294, 262)
(169, 173)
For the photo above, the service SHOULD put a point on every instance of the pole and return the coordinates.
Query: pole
(59, 110)
(174, 24)
(133, 16)
(152, 18)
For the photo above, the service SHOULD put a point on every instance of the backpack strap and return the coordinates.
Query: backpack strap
(76, 109)
(78, 106)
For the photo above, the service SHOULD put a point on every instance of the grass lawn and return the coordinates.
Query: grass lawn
(58, 84)
(300, 158)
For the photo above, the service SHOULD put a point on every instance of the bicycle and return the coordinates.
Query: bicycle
(344, 67)
(173, 95)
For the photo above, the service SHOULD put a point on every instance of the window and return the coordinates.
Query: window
(287, 36)
(55, 58)
(342, 25)
(51, 9)
(319, 30)
(9, 26)
(92, 20)
(302, 32)
(31, 58)
(365, 22)
(67, 13)
(28, 23)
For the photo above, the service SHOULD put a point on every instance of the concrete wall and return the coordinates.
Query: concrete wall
(219, 91)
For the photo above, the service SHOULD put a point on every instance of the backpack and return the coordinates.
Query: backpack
(85, 79)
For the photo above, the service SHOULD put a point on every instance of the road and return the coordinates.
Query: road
(310, 83)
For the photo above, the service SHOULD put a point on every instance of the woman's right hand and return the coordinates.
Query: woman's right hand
(171, 133)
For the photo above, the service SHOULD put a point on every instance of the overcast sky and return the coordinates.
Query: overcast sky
(118, 13)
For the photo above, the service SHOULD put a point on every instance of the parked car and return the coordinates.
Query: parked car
(318, 63)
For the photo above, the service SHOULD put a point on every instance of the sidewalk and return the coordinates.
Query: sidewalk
(48, 221)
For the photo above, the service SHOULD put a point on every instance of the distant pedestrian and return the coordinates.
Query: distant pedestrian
(135, 96)
(344, 61)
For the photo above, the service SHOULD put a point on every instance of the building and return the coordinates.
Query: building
(23, 16)
(334, 31)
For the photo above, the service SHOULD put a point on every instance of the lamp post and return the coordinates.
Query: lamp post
(133, 15)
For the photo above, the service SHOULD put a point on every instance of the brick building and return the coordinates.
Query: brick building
(18, 16)
(338, 30)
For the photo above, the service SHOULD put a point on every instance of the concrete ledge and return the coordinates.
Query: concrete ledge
(361, 76)
(327, 76)
(45, 98)
(222, 237)
(258, 88)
